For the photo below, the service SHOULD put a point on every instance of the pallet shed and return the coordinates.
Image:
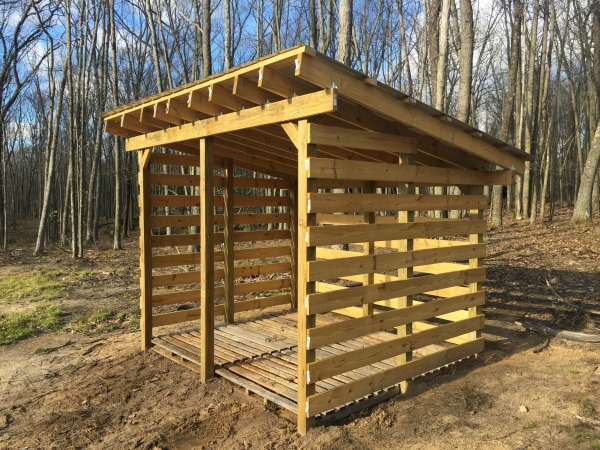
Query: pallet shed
(299, 187)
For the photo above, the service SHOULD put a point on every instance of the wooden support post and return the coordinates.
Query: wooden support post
(145, 249)
(305, 254)
(368, 248)
(228, 237)
(474, 263)
(405, 245)
(207, 263)
(294, 241)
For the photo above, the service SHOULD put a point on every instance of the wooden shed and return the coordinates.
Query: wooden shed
(301, 188)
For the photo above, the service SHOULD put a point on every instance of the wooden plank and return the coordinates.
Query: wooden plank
(319, 70)
(368, 248)
(175, 240)
(160, 201)
(350, 329)
(175, 279)
(207, 260)
(261, 269)
(325, 368)
(146, 258)
(360, 139)
(306, 253)
(244, 88)
(181, 259)
(174, 179)
(355, 265)
(261, 235)
(263, 200)
(319, 403)
(228, 234)
(379, 232)
(170, 159)
(476, 262)
(262, 286)
(260, 219)
(357, 296)
(437, 176)
(361, 203)
(262, 303)
(174, 220)
(176, 297)
(308, 105)
(260, 183)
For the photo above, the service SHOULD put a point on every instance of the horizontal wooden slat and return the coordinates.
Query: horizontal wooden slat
(240, 201)
(186, 315)
(174, 220)
(361, 203)
(176, 297)
(262, 286)
(174, 200)
(169, 159)
(180, 259)
(261, 235)
(392, 231)
(344, 362)
(364, 140)
(261, 303)
(263, 252)
(175, 279)
(260, 183)
(333, 268)
(174, 240)
(337, 396)
(174, 179)
(372, 171)
(261, 269)
(255, 219)
(362, 295)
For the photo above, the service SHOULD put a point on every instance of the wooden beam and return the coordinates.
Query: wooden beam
(291, 129)
(476, 214)
(368, 247)
(228, 234)
(179, 109)
(356, 170)
(280, 84)
(160, 113)
(197, 101)
(246, 89)
(207, 261)
(282, 111)
(306, 253)
(363, 140)
(405, 216)
(348, 234)
(318, 70)
(224, 97)
(145, 250)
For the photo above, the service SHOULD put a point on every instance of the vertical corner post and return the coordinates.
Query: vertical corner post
(405, 245)
(207, 260)
(305, 221)
(145, 249)
(228, 243)
(474, 263)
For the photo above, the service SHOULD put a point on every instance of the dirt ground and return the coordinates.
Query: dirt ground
(98, 391)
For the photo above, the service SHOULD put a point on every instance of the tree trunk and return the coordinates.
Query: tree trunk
(583, 205)
(344, 50)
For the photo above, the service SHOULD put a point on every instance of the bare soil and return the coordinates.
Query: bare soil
(100, 391)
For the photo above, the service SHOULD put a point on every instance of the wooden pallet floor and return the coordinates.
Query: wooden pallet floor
(260, 355)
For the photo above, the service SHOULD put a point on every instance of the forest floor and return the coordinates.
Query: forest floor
(83, 383)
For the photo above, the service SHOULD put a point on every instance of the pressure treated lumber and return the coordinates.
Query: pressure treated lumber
(207, 260)
(308, 105)
(146, 259)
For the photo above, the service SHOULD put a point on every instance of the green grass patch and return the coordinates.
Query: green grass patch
(37, 285)
(20, 325)
(586, 406)
(528, 425)
(104, 320)
(586, 437)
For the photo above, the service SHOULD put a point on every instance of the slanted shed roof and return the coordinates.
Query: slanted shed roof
(251, 109)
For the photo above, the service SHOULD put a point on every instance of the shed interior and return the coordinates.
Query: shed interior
(348, 214)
